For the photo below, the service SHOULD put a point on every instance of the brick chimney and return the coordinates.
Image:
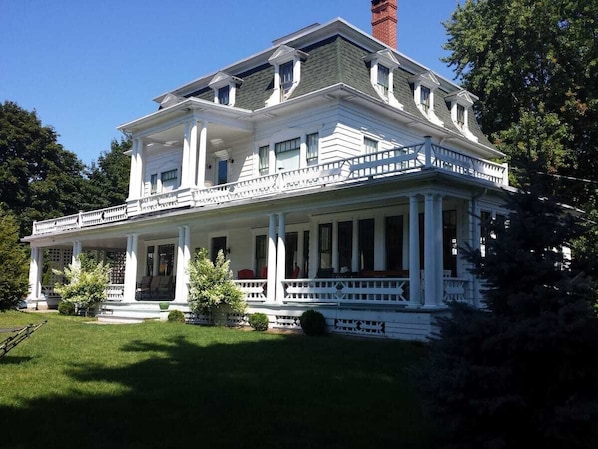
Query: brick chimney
(384, 21)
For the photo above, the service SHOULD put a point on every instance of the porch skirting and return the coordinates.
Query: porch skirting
(414, 324)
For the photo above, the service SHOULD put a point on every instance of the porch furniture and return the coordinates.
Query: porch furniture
(245, 273)
(264, 273)
(155, 284)
(144, 288)
(164, 287)
(295, 273)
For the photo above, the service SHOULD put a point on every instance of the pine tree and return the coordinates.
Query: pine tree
(522, 372)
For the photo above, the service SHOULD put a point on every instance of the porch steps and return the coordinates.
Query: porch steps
(137, 312)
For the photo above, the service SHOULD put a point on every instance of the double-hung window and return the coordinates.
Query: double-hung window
(383, 79)
(169, 180)
(460, 115)
(154, 183)
(287, 154)
(264, 163)
(424, 98)
(286, 77)
(224, 95)
(371, 145)
(311, 142)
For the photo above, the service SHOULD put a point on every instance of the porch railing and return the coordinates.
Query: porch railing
(254, 289)
(365, 167)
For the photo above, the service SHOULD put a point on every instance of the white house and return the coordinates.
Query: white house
(335, 172)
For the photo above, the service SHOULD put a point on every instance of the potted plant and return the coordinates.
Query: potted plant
(211, 288)
(164, 305)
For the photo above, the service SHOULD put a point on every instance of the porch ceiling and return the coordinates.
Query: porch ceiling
(219, 136)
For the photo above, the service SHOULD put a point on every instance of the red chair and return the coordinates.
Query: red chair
(264, 273)
(245, 274)
(295, 274)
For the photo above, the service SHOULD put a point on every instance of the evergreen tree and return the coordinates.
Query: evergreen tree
(524, 371)
(14, 282)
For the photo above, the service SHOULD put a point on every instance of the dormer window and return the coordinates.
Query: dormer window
(382, 64)
(224, 95)
(424, 85)
(383, 77)
(287, 73)
(460, 104)
(424, 98)
(225, 88)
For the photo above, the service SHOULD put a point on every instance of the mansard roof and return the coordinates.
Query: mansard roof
(332, 54)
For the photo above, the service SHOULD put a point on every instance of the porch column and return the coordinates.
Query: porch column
(429, 252)
(203, 148)
(414, 263)
(131, 267)
(77, 247)
(334, 237)
(193, 155)
(475, 231)
(271, 292)
(35, 273)
(140, 162)
(355, 266)
(185, 161)
(314, 256)
(133, 175)
(439, 247)
(183, 257)
(280, 258)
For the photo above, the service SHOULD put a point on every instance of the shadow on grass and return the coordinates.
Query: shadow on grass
(289, 392)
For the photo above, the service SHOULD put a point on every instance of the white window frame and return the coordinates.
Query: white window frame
(457, 100)
(222, 80)
(426, 80)
(263, 157)
(312, 156)
(281, 56)
(369, 143)
(384, 59)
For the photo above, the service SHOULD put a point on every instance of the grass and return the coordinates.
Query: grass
(73, 384)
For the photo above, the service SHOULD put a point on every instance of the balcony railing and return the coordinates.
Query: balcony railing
(361, 168)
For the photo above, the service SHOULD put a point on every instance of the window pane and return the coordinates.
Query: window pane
(371, 145)
(154, 183)
(169, 175)
(325, 245)
(287, 145)
(383, 78)
(224, 95)
(149, 263)
(261, 253)
(366, 244)
(449, 240)
(425, 98)
(166, 259)
(286, 76)
(460, 115)
(345, 245)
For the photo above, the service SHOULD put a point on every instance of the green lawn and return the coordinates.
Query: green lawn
(75, 384)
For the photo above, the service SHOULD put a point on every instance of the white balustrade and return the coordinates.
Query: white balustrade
(454, 289)
(115, 292)
(254, 289)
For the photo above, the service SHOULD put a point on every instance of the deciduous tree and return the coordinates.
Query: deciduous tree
(14, 264)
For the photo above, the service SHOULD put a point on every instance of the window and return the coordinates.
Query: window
(218, 244)
(261, 253)
(153, 183)
(286, 78)
(366, 244)
(345, 245)
(449, 240)
(394, 242)
(149, 262)
(165, 260)
(222, 171)
(325, 246)
(371, 145)
(287, 154)
(383, 79)
(424, 98)
(311, 141)
(169, 180)
(264, 163)
(460, 115)
(224, 95)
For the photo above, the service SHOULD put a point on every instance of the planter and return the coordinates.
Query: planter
(164, 305)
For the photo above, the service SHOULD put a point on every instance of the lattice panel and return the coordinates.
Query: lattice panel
(360, 326)
(236, 319)
(117, 260)
(199, 318)
(287, 321)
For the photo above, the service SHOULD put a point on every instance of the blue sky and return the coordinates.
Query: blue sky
(87, 67)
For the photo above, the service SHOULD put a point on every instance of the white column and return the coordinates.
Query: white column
(76, 250)
(183, 257)
(438, 246)
(35, 269)
(280, 258)
(314, 261)
(379, 243)
(334, 246)
(271, 293)
(355, 266)
(185, 161)
(193, 155)
(133, 183)
(429, 252)
(201, 160)
(414, 263)
(131, 267)
(300, 254)
(139, 168)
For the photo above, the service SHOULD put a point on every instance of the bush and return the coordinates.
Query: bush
(176, 316)
(259, 321)
(313, 323)
(66, 308)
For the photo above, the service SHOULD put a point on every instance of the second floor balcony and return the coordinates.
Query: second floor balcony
(341, 173)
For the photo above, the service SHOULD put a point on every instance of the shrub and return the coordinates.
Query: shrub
(259, 321)
(313, 323)
(176, 316)
(66, 308)
(211, 285)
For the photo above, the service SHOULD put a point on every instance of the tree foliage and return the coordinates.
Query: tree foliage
(211, 285)
(14, 282)
(534, 66)
(39, 179)
(523, 372)
(108, 178)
